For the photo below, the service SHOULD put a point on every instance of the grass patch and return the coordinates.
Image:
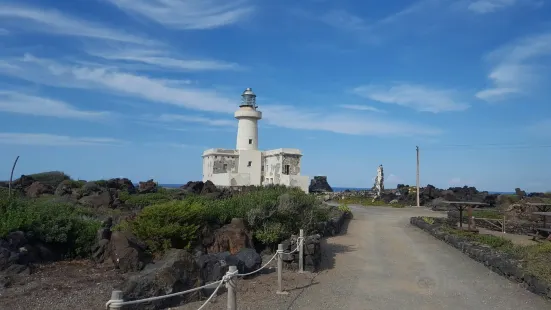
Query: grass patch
(534, 258)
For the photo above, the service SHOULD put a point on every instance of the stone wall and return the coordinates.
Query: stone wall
(312, 253)
(511, 226)
(225, 164)
(312, 243)
(499, 262)
(294, 164)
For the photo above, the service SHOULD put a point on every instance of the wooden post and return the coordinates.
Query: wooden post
(116, 298)
(504, 217)
(470, 217)
(232, 294)
(301, 252)
(280, 270)
(417, 149)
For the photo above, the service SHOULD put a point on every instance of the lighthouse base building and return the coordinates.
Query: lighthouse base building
(247, 165)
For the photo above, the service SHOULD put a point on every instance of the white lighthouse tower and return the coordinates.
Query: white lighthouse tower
(248, 116)
(247, 165)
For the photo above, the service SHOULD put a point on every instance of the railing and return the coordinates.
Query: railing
(117, 301)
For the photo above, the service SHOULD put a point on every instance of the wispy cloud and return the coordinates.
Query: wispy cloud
(189, 14)
(196, 119)
(343, 123)
(54, 140)
(359, 107)
(4, 32)
(516, 67)
(55, 22)
(110, 79)
(344, 20)
(416, 97)
(541, 128)
(489, 6)
(163, 60)
(49, 72)
(13, 102)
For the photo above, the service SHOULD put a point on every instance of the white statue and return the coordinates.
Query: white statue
(379, 182)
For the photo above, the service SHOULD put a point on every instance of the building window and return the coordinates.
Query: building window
(250, 141)
(225, 167)
(286, 169)
(250, 164)
(262, 168)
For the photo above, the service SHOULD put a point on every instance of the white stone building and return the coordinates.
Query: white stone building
(246, 165)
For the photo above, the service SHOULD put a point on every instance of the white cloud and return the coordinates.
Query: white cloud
(54, 140)
(54, 22)
(343, 123)
(189, 14)
(196, 119)
(416, 97)
(516, 68)
(31, 105)
(110, 79)
(158, 59)
(489, 6)
(359, 107)
(344, 20)
(162, 91)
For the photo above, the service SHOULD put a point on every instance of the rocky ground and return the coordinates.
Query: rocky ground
(63, 285)
(84, 285)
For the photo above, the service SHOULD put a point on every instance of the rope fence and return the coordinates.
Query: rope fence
(117, 301)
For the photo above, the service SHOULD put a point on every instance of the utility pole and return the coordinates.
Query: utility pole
(417, 149)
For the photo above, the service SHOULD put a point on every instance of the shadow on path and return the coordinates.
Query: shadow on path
(330, 249)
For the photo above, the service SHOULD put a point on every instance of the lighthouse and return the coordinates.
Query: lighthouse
(246, 165)
(248, 116)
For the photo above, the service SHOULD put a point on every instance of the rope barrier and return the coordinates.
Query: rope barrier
(225, 279)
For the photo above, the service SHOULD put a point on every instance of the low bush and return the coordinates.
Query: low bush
(52, 178)
(344, 208)
(272, 213)
(170, 224)
(144, 200)
(50, 222)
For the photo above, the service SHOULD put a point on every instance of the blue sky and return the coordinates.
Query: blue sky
(139, 88)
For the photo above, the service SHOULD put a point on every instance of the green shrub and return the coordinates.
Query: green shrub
(170, 224)
(52, 178)
(101, 183)
(50, 222)
(144, 200)
(344, 208)
(270, 233)
(428, 220)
